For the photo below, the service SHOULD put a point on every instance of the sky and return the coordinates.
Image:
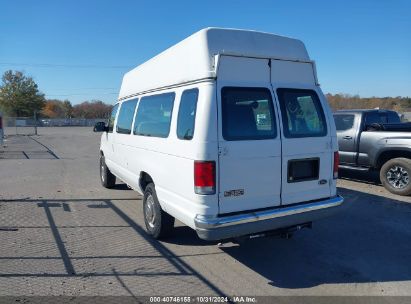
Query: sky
(79, 50)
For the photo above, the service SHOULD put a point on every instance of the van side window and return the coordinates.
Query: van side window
(112, 118)
(247, 114)
(302, 113)
(187, 114)
(153, 115)
(125, 117)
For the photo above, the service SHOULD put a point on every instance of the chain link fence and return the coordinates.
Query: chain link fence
(31, 126)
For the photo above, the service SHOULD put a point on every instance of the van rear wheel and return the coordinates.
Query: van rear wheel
(395, 176)
(159, 224)
(108, 179)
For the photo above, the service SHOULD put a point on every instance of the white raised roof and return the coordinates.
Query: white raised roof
(193, 58)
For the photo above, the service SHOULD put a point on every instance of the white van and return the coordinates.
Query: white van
(228, 132)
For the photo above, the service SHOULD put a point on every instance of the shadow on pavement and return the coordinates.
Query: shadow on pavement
(25, 147)
(371, 177)
(367, 242)
(120, 187)
(92, 238)
(184, 235)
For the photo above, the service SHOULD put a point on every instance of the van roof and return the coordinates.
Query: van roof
(194, 58)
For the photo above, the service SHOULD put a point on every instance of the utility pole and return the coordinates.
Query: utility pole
(35, 122)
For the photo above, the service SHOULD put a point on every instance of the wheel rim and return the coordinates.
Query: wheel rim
(150, 211)
(102, 170)
(398, 177)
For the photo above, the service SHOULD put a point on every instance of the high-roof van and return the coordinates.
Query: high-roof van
(228, 132)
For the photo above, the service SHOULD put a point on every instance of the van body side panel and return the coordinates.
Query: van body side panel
(249, 170)
(170, 161)
(177, 195)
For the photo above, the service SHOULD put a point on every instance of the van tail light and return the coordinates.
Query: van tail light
(204, 177)
(336, 163)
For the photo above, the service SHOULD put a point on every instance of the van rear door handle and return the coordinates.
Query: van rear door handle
(347, 137)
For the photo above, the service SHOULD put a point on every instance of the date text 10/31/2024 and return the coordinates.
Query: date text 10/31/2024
(202, 299)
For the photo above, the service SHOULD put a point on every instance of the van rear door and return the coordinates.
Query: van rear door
(249, 165)
(307, 154)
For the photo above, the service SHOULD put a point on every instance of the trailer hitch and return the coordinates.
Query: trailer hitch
(284, 233)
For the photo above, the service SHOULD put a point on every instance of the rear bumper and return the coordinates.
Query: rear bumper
(225, 227)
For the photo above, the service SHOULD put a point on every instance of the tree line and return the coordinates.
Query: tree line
(54, 108)
(346, 101)
(20, 97)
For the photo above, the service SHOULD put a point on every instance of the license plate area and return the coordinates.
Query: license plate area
(300, 170)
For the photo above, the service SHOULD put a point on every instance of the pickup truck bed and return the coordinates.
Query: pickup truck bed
(400, 127)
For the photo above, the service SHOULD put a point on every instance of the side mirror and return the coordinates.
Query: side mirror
(100, 127)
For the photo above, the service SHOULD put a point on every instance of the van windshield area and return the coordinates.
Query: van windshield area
(302, 113)
(112, 118)
(247, 114)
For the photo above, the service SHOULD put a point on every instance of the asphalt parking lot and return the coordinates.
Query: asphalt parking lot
(62, 233)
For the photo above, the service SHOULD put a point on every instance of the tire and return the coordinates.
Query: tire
(395, 176)
(159, 224)
(108, 179)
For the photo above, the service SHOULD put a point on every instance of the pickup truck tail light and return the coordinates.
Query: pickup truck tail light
(204, 177)
(336, 163)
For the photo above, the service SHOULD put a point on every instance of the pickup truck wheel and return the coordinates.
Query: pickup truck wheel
(159, 224)
(108, 179)
(395, 176)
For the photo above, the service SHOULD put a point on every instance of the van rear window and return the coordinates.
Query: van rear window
(302, 113)
(247, 114)
(153, 115)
